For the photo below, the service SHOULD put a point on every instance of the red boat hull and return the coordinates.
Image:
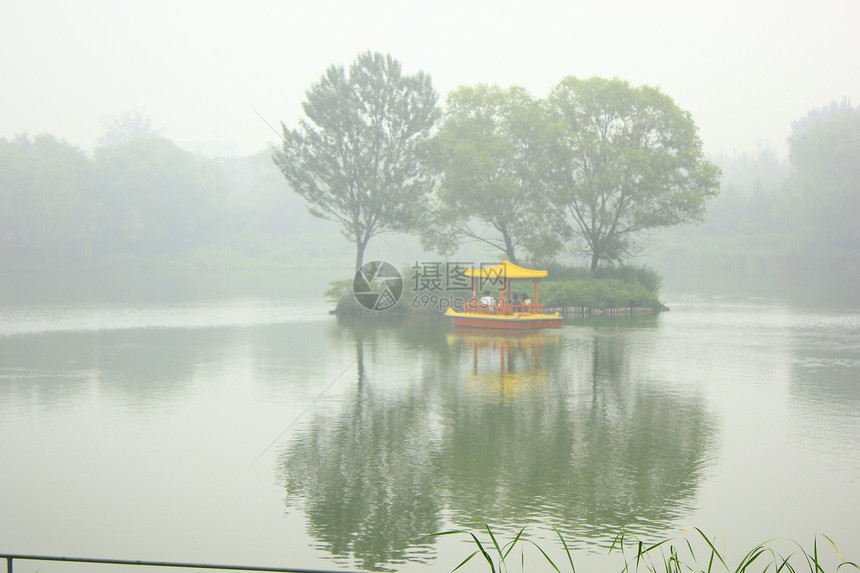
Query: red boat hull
(505, 322)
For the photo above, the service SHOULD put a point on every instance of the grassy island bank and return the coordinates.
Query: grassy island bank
(572, 290)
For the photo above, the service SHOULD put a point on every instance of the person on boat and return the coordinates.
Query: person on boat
(526, 299)
(487, 301)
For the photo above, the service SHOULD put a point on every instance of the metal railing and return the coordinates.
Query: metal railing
(11, 557)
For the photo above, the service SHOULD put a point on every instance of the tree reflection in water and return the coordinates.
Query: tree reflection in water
(495, 427)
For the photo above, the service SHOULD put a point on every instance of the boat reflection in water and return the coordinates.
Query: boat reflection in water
(503, 362)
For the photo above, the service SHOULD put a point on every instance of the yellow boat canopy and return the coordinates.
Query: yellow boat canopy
(505, 270)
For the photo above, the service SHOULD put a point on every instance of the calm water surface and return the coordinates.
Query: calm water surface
(224, 421)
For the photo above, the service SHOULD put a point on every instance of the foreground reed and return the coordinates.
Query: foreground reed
(692, 551)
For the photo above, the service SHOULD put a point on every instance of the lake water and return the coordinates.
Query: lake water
(226, 420)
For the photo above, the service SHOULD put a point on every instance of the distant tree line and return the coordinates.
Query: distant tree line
(778, 214)
(589, 171)
(141, 198)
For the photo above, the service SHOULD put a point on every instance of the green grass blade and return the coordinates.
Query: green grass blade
(836, 549)
(566, 549)
(711, 561)
(750, 558)
(477, 541)
(618, 540)
(483, 551)
(452, 532)
(677, 555)
(713, 549)
(547, 557)
(689, 545)
(641, 553)
(464, 561)
(655, 546)
(815, 555)
(513, 543)
(493, 539)
(786, 564)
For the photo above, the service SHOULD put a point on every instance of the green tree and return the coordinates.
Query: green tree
(825, 179)
(359, 157)
(47, 209)
(491, 151)
(749, 198)
(267, 223)
(629, 161)
(158, 198)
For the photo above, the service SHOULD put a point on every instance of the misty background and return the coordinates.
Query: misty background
(213, 82)
(156, 407)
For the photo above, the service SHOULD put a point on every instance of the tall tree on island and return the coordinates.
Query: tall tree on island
(491, 151)
(630, 161)
(359, 156)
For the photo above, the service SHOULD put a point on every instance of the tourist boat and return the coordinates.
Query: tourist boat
(501, 314)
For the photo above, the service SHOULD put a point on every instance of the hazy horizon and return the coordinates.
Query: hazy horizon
(201, 71)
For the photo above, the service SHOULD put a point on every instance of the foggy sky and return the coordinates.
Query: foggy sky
(745, 69)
